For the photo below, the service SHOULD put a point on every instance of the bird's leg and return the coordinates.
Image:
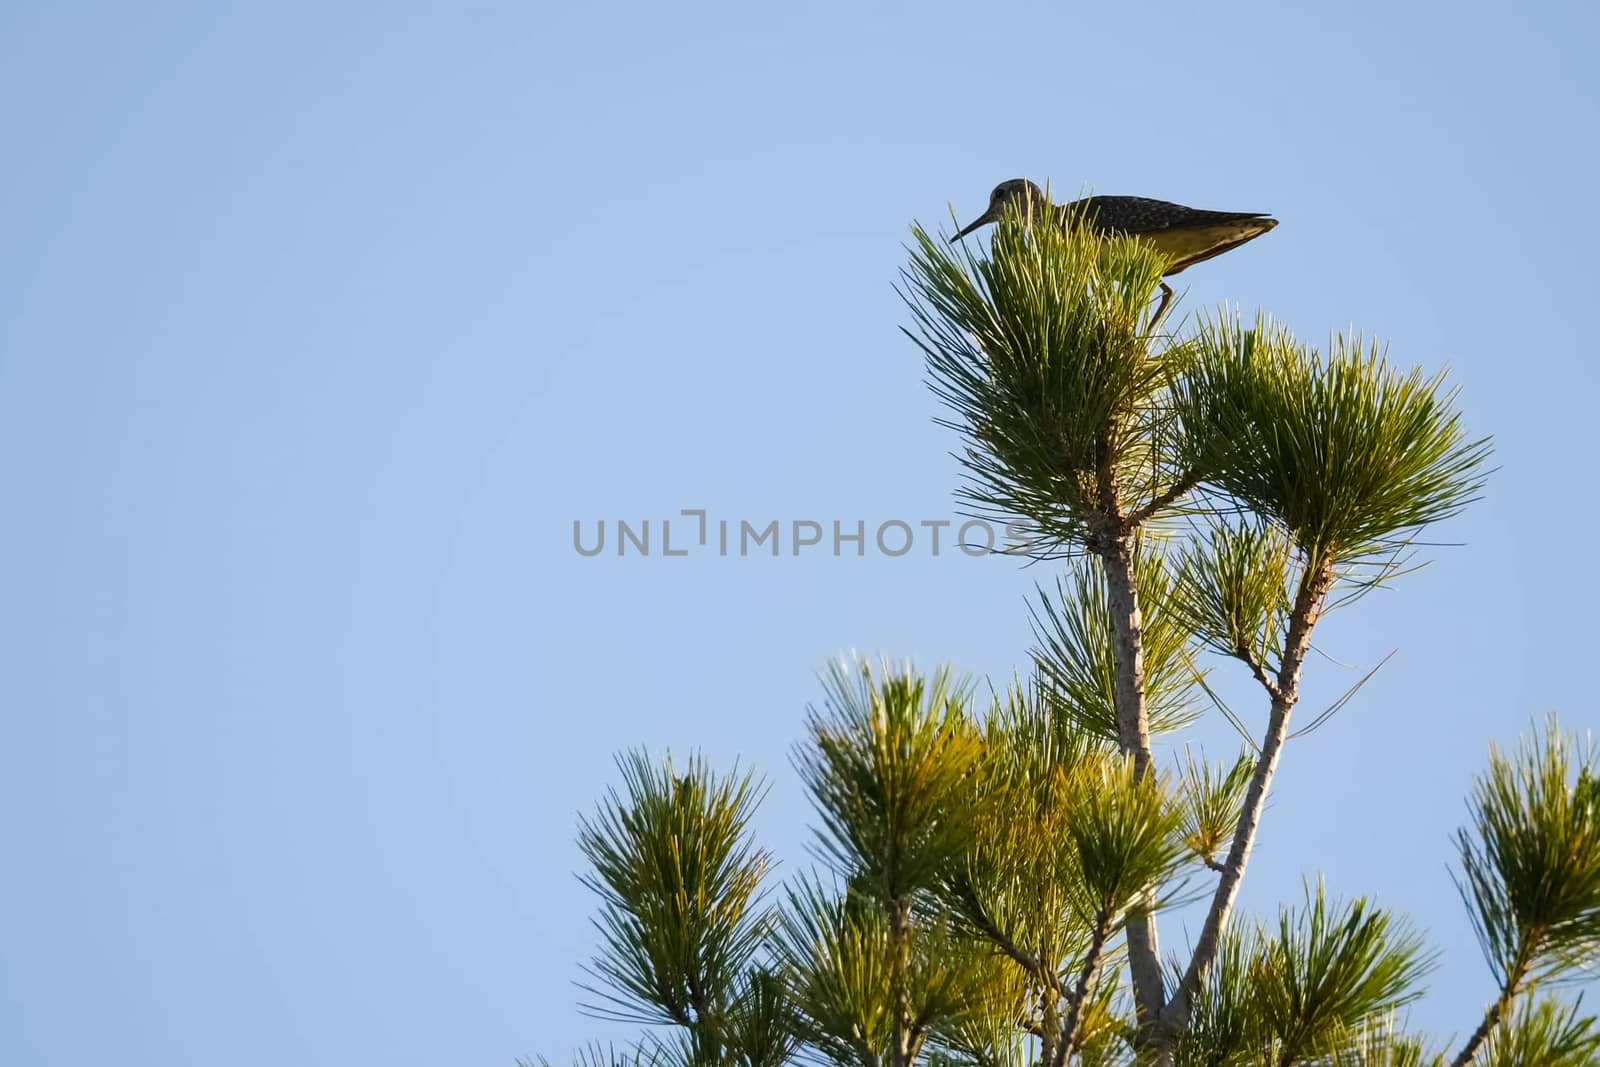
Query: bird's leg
(1161, 308)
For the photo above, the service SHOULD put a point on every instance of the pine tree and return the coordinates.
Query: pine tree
(995, 863)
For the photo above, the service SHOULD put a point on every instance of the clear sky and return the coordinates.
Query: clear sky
(320, 324)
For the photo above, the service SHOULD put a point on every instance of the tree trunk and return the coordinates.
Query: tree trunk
(901, 1054)
(1127, 643)
(1133, 735)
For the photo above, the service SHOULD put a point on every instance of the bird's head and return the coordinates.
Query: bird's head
(1015, 191)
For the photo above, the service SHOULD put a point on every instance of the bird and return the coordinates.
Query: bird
(1185, 235)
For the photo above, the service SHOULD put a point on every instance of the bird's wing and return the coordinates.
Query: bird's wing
(1141, 214)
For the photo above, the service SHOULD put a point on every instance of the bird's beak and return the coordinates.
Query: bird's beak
(982, 220)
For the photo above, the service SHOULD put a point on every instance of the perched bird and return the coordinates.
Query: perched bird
(1185, 235)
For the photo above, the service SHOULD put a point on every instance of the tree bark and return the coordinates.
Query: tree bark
(1050, 1025)
(902, 1052)
(1127, 643)
(1133, 736)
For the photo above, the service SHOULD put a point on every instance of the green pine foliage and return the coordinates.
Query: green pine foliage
(1042, 351)
(1544, 1032)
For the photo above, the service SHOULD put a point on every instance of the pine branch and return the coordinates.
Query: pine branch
(1545, 1032)
(1245, 656)
(1492, 1017)
(1071, 1039)
(1164, 500)
(1303, 619)
(1531, 874)
(979, 918)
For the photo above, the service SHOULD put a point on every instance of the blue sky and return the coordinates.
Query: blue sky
(320, 324)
